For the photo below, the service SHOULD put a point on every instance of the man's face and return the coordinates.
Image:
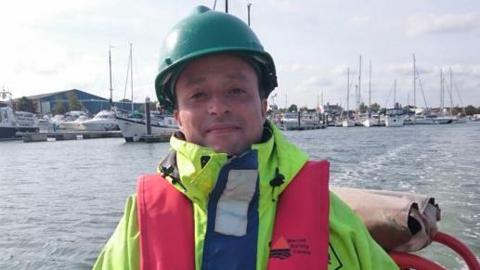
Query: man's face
(218, 104)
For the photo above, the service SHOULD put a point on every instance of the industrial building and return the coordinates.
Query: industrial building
(47, 103)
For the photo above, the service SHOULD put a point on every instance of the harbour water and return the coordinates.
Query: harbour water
(60, 201)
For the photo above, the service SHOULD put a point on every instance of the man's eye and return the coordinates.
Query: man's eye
(237, 91)
(197, 95)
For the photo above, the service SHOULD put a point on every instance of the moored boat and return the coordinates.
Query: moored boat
(394, 118)
(14, 123)
(8, 126)
(348, 123)
(134, 126)
(105, 120)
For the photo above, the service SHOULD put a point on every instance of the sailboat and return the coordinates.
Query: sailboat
(370, 121)
(394, 117)
(105, 119)
(133, 124)
(424, 116)
(347, 122)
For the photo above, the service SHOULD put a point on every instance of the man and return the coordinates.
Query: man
(233, 193)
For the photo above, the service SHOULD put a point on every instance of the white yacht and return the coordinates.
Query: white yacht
(26, 122)
(14, 123)
(394, 118)
(103, 121)
(394, 121)
(370, 122)
(73, 120)
(424, 120)
(75, 125)
(290, 121)
(11, 126)
(134, 127)
(348, 123)
(8, 125)
(46, 124)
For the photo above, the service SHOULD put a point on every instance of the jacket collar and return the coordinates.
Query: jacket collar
(194, 169)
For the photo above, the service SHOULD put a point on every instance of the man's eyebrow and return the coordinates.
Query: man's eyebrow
(194, 80)
(237, 76)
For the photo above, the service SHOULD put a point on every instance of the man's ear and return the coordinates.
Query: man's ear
(177, 118)
(264, 108)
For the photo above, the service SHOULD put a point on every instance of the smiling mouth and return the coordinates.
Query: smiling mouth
(222, 129)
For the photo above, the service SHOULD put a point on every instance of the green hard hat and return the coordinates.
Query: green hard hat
(208, 32)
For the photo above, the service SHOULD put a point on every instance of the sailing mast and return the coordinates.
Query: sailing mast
(348, 91)
(359, 95)
(131, 74)
(441, 91)
(248, 10)
(110, 72)
(395, 94)
(450, 91)
(414, 90)
(369, 88)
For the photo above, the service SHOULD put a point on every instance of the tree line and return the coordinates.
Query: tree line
(60, 105)
(376, 108)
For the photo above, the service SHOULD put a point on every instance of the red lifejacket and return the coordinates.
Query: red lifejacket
(300, 234)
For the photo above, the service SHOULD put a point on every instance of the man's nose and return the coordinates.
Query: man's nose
(218, 104)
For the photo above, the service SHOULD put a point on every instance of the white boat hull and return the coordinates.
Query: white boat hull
(73, 125)
(134, 130)
(348, 123)
(99, 125)
(394, 121)
(370, 122)
(425, 121)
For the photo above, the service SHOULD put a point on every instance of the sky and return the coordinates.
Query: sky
(55, 45)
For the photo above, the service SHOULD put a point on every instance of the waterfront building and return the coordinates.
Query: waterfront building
(45, 103)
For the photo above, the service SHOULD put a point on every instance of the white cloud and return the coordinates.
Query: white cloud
(289, 6)
(55, 45)
(339, 70)
(313, 84)
(295, 67)
(406, 69)
(428, 23)
(358, 20)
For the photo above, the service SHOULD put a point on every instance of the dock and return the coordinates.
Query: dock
(69, 135)
(164, 137)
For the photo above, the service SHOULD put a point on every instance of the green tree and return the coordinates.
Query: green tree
(26, 105)
(375, 107)
(457, 110)
(470, 110)
(293, 108)
(363, 108)
(73, 103)
(59, 107)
